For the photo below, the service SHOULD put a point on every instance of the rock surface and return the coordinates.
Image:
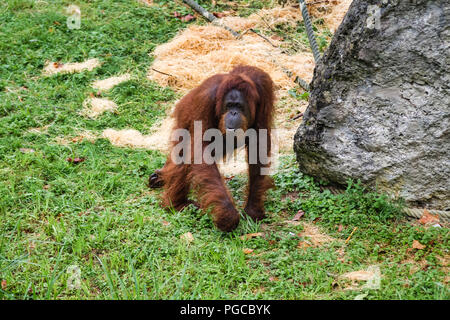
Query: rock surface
(380, 102)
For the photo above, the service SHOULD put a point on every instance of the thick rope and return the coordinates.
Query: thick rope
(310, 31)
(418, 213)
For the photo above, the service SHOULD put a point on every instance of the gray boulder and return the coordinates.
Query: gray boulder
(380, 102)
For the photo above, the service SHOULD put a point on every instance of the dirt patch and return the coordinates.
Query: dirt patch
(52, 68)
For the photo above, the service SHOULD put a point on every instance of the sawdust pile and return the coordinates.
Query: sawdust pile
(52, 68)
(265, 18)
(202, 51)
(109, 83)
(158, 140)
(332, 12)
(126, 138)
(93, 107)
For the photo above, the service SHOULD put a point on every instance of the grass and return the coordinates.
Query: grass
(100, 217)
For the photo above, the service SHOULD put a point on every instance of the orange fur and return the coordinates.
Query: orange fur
(205, 103)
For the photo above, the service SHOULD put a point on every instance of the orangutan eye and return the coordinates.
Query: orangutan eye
(234, 105)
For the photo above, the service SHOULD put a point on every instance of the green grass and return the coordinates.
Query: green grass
(100, 216)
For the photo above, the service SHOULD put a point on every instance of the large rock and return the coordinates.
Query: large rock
(380, 102)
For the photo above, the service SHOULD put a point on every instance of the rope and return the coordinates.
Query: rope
(309, 31)
(417, 213)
